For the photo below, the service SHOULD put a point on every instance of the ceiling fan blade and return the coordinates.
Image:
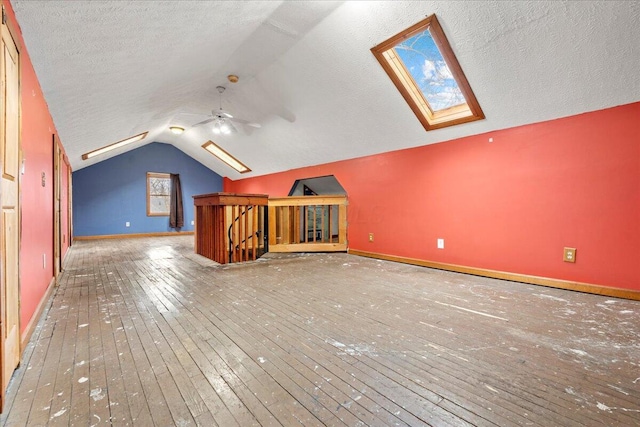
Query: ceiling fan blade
(247, 122)
(204, 122)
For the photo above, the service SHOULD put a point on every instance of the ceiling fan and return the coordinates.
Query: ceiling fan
(223, 120)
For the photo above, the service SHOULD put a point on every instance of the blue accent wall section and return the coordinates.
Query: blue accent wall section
(108, 194)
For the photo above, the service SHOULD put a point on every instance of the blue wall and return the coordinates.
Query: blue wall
(108, 194)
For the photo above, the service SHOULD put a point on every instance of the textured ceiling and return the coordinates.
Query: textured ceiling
(112, 69)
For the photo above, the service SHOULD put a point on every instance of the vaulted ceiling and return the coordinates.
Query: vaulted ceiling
(112, 69)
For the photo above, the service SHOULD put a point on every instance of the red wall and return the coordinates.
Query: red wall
(509, 205)
(37, 201)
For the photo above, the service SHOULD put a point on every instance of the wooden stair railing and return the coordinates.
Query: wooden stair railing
(308, 224)
(230, 227)
(251, 232)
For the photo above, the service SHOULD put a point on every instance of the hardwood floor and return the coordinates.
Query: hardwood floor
(144, 332)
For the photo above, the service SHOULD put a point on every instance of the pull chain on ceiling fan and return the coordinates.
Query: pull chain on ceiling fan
(220, 123)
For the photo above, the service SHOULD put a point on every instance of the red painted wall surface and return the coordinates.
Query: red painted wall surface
(37, 201)
(509, 205)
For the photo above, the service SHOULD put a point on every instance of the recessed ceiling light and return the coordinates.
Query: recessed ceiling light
(227, 158)
(176, 129)
(115, 145)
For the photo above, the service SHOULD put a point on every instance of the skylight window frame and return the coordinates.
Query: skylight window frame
(225, 157)
(409, 89)
(119, 144)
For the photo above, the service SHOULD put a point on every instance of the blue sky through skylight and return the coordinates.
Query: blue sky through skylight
(428, 68)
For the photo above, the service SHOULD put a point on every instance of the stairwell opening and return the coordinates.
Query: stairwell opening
(311, 218)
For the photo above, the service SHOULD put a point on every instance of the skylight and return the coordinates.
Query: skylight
(115, 145)
(422, 65)
(227, 158)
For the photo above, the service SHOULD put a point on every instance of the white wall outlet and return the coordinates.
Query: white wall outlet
(127, 224)
(440, 243)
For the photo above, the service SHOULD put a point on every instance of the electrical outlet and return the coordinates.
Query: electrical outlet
(193, 222)
(127, 224)
(569, 255)
(440, 243)
(371, 237)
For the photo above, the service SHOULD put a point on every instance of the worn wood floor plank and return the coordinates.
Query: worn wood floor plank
(322, 361)
(143, 332)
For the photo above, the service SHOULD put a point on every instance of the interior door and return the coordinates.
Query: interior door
(10, 218)
(69, 206)
(57, 223)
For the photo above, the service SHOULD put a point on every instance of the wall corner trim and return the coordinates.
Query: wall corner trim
(514, 277)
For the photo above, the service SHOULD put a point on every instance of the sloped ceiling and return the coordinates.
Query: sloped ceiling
(112, 69)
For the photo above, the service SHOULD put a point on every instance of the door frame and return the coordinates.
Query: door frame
(9, 27)
(57, 206)
(69, 203)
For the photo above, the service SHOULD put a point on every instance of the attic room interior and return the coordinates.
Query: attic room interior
(342, 213)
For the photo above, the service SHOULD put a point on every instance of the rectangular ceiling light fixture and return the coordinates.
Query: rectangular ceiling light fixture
(115, 145)
(227, 158)
(422, 65)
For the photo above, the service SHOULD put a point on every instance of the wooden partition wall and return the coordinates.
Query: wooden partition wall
(308, 224)
(230, 227)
